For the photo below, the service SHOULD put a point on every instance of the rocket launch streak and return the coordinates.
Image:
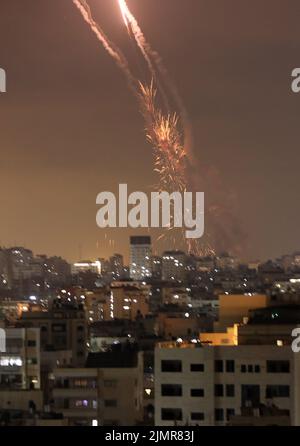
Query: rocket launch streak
(123, 8)
(163, 127)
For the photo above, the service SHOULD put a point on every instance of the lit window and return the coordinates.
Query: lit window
(7, 361)
(81, 403)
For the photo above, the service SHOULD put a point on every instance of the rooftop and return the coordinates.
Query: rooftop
(117, 358)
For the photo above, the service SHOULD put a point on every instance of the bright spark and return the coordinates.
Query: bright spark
(123, 8)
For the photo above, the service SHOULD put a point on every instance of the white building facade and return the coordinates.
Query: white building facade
(206, 385)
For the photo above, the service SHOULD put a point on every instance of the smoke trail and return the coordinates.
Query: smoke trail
(109, 46)
(137, 32)
(149, 53)
(162, 129)
(131, 23)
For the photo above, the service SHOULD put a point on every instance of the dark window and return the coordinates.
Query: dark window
(31, 343)
(230, 390)
(197, 416)
(229, 413)
(197, 367)
(219, 390)
(59, 328)
(243, 368)
(197, 392)
(277, 391)
(171, 390)
(14, 343)
(278, 366)
(250, 395)
(171, 414)
(257, 368)
(250, 368)
(110, 403)
(110, 383)
(219, 415)
(171, 366)
(218, 366)
(230, 367)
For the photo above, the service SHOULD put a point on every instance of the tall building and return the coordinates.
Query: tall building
(140, 257)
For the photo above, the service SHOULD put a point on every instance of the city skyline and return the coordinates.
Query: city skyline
(155, 253)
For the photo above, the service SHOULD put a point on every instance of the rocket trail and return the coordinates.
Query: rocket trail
(163, 129)
(157, 116)
(109, 46)
(149, 53)
(135, 31)
(124, 8)
(132, 24)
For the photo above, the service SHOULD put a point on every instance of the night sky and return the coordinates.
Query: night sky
(70, 128)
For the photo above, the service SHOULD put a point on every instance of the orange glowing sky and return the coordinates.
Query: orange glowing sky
(70, 128)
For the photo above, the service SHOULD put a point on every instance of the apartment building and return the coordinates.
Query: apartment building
(63, 327)
(176, 296)
(108, 392)
(174, 266)
(140, 257)
(20, 363)
(97, 305)
(129, 302)
(210, 385)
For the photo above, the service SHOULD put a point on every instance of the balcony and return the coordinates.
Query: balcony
(79, 413)
(74, 392)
